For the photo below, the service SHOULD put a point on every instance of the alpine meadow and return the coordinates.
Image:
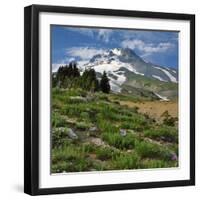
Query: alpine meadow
(114, 99)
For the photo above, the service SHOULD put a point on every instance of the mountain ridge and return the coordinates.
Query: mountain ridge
(123, 66)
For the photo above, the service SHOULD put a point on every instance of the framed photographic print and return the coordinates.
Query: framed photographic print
(109, 100)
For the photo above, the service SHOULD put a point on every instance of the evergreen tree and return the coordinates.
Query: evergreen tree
(60, 76)
(73, 69)
(68, 76)
(69, 70)
(54, 80)
(104, 83)
(76, 72)
(93, 80)
(89, 80)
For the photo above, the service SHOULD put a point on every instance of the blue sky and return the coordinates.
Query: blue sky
(80, 44)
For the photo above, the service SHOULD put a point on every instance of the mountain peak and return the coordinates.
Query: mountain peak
(117, 51)
(123, 63)
(122, 51)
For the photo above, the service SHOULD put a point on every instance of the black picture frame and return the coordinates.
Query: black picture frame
(31, 98)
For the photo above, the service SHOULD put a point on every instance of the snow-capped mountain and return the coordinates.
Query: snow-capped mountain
(125, 68)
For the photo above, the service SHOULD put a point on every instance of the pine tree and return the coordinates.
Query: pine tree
(69, 70)
(104, 83)
(76, 72)
(93, 80)
(68, 76)
(89, 80)
(60, 76)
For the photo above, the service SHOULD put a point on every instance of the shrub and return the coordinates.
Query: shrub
(82, 126)
(70, 158)
(57, 120)
(85, 116)
(136, 122)
(105, 153)
(149, 150)
(78, 165)
(133, 126)
(73, 110)
(169, 120)
(127, 161)
(164, 133)
(116, 102)
(89, 148)
(109, 112)
(103, 97)
(125, 112)
(58, 137)
(148, 163)
(118, 141)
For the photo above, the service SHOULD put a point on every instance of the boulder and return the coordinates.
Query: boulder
(90, 98)
(59, 129)
(174, 157)
(67, 131)
(78, 99)
(92, 129)
(71, 134)
(97, 141)
(122, 132)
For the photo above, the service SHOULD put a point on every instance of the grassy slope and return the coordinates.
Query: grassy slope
(147, 143)
(148, 84)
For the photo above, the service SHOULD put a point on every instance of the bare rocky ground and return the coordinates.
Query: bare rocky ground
(155, 109)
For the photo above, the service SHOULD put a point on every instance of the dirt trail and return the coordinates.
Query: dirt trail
(154, 108)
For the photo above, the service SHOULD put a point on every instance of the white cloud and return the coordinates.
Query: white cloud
(84, 53)
(55, 66)
(100, 34)
(104, 34)
(63, 62)
(147, 48)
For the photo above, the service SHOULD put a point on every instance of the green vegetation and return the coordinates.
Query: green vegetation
(127, 161)
(168, 120)
(68, 76)
(99, 124)
(140, 86)
(165, 133)
(104, 83)
(147, 149)
(70, 158)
